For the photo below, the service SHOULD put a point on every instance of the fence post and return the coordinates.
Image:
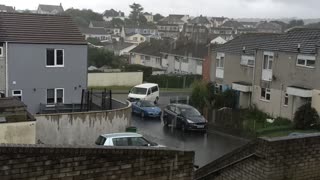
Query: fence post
(110, 101)
(88, 99)
(82, 94)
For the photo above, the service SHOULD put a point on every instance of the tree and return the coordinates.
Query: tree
(117, 22)
(157, 17)
(295, 23)
(142, 19)
(306, 117)
(83, 17)
(199, 95)
(136, 12)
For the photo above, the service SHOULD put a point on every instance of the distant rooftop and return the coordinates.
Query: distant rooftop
(98, 31)
(4, 8)
(51, 8)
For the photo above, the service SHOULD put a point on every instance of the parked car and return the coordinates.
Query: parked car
(183, 116)
(124, 139)
(147, 91)
(146, 109)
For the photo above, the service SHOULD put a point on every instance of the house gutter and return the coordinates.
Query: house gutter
(253, 77)
(7, 83)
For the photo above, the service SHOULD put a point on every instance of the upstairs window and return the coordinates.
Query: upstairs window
(147, 58)
(17, 93)
(306, 61)
(55, 58)
(247, 61)
(267, 61)
(265, 94)
(220, 62)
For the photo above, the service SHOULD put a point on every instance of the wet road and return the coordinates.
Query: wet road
(207, 146)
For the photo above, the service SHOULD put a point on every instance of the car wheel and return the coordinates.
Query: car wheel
(142, 114)
(156, 100)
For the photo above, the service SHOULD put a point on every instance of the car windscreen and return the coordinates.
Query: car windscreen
(189, 112)
(146, 104)
(137, 90)
(101, 140)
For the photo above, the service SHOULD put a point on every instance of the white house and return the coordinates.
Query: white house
(135, 38)
(148, 16)
(98, 33)
(49, 9)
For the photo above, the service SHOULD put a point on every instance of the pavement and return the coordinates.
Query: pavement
(207, 146)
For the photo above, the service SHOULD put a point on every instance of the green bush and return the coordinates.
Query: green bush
(226, 99)
(306, 117)
(199, 96)
(147, 71)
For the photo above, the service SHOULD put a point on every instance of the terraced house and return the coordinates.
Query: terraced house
(277, 73)
(43, 59)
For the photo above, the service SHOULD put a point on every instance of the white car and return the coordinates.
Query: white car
(147, 91)
(124, 139)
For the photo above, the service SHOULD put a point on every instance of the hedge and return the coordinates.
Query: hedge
(173, 81)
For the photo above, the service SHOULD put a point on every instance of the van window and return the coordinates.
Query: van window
(120, 141)
(149, 91)
(101, 140)
(155, 89)
(137, 90)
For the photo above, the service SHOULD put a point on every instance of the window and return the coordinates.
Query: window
(138, 141)
(55, 57)
(147, 57)
(247, 61)
(267, 62)
(17, 93)
(55, 96)
(265, 94)
(101, 140)
(1, 51)
(185, 60)
(142, 39)
(306, 61)
(218, 88)
(142, 57)
(154, 89)
(171, 108)
(220, 62)
(286, 99)
(120, 141)
(135, 39)
(158, 61)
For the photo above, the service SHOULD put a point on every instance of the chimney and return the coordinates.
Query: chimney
(60, 4)
(299, 47)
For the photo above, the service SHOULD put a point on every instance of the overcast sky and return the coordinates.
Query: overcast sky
(228, 8)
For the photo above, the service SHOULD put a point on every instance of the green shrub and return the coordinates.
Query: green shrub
(173, 81)
(147, 71)
(199, 95)
(306, 117)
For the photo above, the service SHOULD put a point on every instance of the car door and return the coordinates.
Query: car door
(137, 107)
(170, 115)
(178, 118)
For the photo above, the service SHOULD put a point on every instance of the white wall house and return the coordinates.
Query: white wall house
(135, 38)
(178, 64)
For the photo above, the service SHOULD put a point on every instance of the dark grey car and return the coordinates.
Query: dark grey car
(184, 117)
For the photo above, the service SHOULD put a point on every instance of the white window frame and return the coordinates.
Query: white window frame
(1, 51)
(286, 96)
(55, 95)
(219, 62)
(270, 59)
(264, 98)
(55, 58)
(305, 58)
(245, 61)
(17, 95)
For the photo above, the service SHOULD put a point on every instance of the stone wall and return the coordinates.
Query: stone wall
(18, 132)
(277, 159)
(80, 128)
(65, 163)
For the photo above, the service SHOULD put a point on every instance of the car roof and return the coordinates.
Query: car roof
(146, 85)
(119, 135)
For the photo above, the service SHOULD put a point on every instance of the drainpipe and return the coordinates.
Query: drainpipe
(281, 96)
(7, 83)
(253, 77)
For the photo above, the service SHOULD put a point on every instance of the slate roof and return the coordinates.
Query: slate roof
(118, 46)
(309, 40)
(251, 42)
(99, 31)
(39, 28)
(188, 49)
(153, 48)
(173, 18)
(218, 18)
(249, 23)
(269, 26)
(50, 8)
(142, 26)
(232, 23)
(199, 20)
(4, 8)
(101, 24)
(11, 102)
